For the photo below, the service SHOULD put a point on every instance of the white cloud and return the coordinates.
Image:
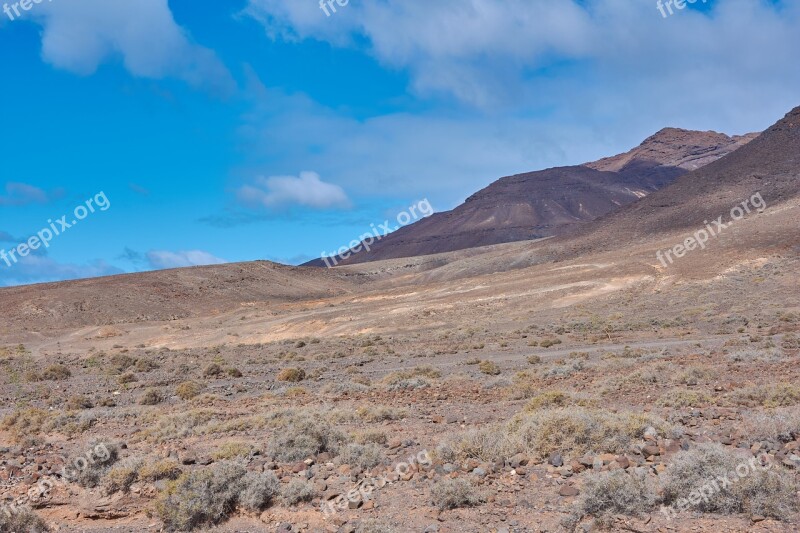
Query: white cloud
(519, 85)
(596, 55)
(161, 259)
(282, 192)
(80, 35)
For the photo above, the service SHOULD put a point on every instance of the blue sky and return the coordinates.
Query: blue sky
(265, 129)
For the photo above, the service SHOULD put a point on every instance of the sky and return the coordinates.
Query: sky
(176, 133)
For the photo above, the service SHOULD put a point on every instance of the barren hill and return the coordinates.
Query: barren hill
(549, 202)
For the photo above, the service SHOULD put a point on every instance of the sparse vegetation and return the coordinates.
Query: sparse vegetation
(297, 491)
(188, 390)
(454, 493)
(292, 375)
(489, 368)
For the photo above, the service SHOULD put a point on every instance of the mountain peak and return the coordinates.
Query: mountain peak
(676, 147)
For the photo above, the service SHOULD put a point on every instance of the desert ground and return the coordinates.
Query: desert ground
(493, 389)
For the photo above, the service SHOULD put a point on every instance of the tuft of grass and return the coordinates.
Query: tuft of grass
(364, 456)
(534, 360)
(305, 436)
(770, 396)
(122, 476)
(160, 469)
(260, 488)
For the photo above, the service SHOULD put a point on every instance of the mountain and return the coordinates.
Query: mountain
(768, 166)
(550, 202)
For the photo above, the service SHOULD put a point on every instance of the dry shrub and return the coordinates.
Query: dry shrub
(682, 399)
(160, 469)
(297, 491)
(291, 375)
(303, 436)
(769, 493)
(364, 456)
(56, 373)
(260, 488)
(454, 493)
(188, 390)
(577, 430)
(489, 368)
(22, 520)
(151, 397)
(779, 395)
(379, 413)
(122, 476)
(26, 424)
(781, 424)
(232, 450)
(201, 497)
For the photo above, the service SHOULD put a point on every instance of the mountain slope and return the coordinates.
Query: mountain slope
(550, 202)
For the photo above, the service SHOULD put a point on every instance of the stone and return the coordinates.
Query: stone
(568, 491)
(651, 450)
(556, 460)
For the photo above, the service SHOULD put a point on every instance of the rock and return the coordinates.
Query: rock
(480, 472)
(651, 450)
(284, 527)
(568, 491)
(432, 529)
(757, 518)
(650, 433)
(518, 460)
(556, 460)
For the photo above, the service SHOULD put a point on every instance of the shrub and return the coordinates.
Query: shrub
(161, 469)
(56, 373)
(364, 456)
(379, 413)
(151, 397)
(128, 377)
(188, 390)
(297, 491)
(375, 525)
(22, 521)
(213, 370)
(26, 424)
(454, 493)
(492, 443)
(682, 399)
(779, 395)
(534, 360)
(305, 436)
(548, 399)
(232, 450)
(234, 372)
(145, 365)
(201, 497)
(259, 490)
(578, 430)
(78, 403)
(92, 472)
(782, 425)
(547, 343)
(119, 363)
(122, 476)
(617, 492)
(489, 368)
(292, 375)
(409, 384)
(760, 492)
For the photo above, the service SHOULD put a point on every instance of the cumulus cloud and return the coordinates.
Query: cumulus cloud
(512, 53)
(80, 35)
(161, 259)
(519, 85)
(283, 192)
